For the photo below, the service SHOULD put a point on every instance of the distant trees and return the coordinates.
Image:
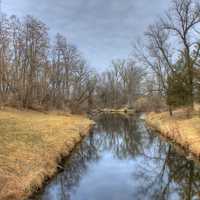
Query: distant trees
(120, 85)
(35, 73)
(39, 74)
(4, 58)
(174, 38)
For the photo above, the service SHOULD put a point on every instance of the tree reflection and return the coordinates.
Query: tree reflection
(161, 173)
(186, 174)
(174, 177)
(119, 133)
(75, 166)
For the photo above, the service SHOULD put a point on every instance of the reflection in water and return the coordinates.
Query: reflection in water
(122, 160)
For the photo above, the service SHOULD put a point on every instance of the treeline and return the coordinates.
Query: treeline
(120, 85)
(37, 73)
(172, 51)
(164, 69)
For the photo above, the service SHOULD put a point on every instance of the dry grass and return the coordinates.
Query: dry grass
(31, 145)
(182, 130)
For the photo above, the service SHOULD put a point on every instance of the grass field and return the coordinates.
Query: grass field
(179, 128)
(31, 145)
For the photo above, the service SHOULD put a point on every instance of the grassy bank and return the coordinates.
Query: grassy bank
(31, 145)
(182, 130)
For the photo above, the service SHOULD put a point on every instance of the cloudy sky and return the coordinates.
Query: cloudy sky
(101, 29)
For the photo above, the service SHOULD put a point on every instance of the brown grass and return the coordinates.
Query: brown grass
(31, 145)
(179, 128)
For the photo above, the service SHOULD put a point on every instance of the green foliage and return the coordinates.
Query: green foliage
(177, 93)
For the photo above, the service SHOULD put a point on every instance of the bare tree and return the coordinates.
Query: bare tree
(4, 58)
(170, 40)
(120, 85)
(36, 74)
(35, 48)
(182, 20)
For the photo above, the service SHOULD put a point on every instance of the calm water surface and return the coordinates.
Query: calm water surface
(123, 160)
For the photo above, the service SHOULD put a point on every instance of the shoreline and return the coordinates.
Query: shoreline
(120, 111)
(60, 168)
(35, 144)
(180, 131)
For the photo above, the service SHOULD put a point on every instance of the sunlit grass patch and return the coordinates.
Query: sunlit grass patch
(179, 128)
(31, 144)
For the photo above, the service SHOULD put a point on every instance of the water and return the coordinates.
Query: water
(123, 160)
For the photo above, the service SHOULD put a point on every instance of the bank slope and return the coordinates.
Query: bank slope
(182, 130)
(31, 145)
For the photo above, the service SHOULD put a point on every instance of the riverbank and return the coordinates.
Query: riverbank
(122, 110)
(178, 128)
(31, 146)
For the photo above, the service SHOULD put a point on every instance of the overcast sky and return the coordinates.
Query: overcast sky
(101, 29)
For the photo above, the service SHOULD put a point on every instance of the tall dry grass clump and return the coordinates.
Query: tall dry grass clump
(179, 128)
(31, 145)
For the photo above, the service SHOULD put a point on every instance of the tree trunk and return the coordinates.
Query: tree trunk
(170, 111)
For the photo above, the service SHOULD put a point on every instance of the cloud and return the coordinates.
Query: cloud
(102, 29)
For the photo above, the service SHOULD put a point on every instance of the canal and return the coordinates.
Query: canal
(123, 160)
